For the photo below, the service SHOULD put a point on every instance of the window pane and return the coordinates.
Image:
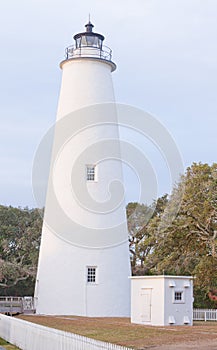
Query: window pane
(83, 40)
(178, 295)
(91, 275)
(78, 43)
(100, 43)
(91, 40)
(90, 174)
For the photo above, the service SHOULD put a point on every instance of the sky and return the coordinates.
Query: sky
(166, 55)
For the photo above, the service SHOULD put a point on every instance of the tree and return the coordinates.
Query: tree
(189, 244)
(142, 222)
(20, 231)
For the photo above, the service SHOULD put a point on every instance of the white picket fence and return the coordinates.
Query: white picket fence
(205, 315)
(30, 336)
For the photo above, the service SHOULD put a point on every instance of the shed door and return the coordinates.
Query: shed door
(145, 305)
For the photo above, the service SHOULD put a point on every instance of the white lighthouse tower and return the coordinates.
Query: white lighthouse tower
(84, 265)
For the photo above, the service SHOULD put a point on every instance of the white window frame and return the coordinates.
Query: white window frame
(182, 300)
(88, 268)
(90, 173)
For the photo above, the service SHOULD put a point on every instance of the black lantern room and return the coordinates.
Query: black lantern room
(89, 38)
(89, 45)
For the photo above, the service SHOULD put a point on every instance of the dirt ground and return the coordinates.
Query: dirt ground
(207, 345)
(202, 336)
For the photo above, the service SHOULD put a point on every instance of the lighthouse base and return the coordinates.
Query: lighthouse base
(82, 282)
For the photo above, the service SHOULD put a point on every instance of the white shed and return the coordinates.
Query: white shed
(162, 300)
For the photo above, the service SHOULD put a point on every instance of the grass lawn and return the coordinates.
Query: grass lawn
(121, 331)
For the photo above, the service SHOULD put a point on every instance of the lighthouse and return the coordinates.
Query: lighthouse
(84, 264)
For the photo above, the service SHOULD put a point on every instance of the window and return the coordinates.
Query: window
(91, 274)
(90, 172)
(178, 296)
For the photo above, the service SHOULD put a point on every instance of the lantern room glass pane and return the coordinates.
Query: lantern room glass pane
(78, 43)
(99, 43)
(83, 41)
(91, 40)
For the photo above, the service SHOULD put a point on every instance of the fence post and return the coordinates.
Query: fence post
(205, 317)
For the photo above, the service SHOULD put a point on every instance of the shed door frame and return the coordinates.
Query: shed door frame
(145, 307)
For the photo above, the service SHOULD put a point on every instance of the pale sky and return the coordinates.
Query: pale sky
(166, 54)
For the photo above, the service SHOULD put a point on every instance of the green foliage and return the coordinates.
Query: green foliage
(20, 231)
(186, 245)
(142, 222)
